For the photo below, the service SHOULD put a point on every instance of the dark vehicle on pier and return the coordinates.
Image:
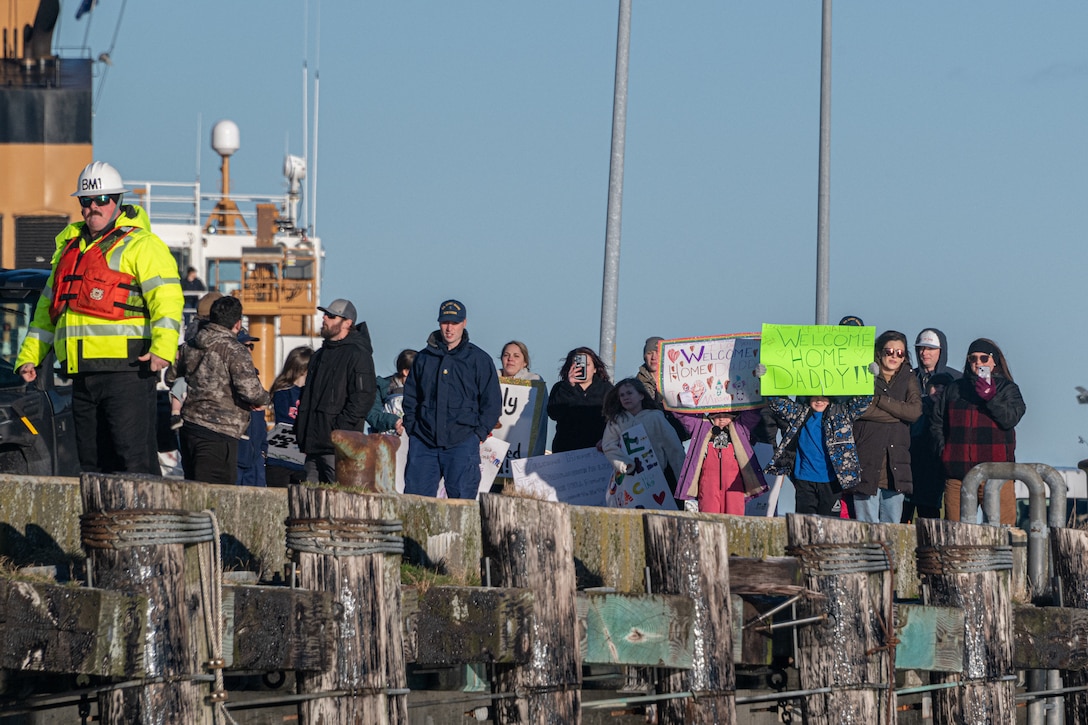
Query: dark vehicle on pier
(37, 432)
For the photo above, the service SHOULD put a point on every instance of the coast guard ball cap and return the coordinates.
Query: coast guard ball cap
(452, 311)
(340, 308)
(928, 338)
(244, 336)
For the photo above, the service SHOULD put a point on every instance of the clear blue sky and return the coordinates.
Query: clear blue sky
(464, 152)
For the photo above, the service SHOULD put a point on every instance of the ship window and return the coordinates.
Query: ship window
(225, 275)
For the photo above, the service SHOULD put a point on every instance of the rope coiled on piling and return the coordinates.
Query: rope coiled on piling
(144, 527)
(963, 559)
(345, 537)
(836, 559)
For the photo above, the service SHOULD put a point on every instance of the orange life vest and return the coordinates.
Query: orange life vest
(84, 282)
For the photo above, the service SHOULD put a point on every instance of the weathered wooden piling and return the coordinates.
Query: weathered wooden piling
(127, 525)
(348, 544)
(1070, 552)
(852, 652)
(530, 546)
(690, 557)
(967, 566)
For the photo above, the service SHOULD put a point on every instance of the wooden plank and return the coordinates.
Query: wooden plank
(52, 628)
(1050, 638)
(930, 638)
(628, 629)
(277, 628)
(763, 576)
(464, 625)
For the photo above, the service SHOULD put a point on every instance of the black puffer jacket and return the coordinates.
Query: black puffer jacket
(339, 391)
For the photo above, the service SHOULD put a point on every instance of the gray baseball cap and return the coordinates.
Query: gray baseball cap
(340, 308)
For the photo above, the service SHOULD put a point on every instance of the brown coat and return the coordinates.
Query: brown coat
(882, 434)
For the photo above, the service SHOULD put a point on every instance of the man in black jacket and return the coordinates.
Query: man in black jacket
(339, 389)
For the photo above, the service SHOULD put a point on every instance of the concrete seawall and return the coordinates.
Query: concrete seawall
(39, 525)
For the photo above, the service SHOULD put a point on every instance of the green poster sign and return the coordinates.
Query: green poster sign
(816, 360)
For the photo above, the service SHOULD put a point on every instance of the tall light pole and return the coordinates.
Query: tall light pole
(823, 204)
(610, 289)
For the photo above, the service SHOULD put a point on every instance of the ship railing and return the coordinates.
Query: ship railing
(184, 203)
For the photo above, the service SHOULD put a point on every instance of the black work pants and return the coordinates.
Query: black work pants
(114, 414)
(208, 456)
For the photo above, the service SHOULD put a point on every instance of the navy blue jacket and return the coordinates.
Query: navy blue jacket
(451, 394)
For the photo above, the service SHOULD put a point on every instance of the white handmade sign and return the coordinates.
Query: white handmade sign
(710, 373)
(574, 477)
(282, 445)
(521, 422)
(645, 487)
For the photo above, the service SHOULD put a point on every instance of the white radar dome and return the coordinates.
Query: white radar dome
(225, 137)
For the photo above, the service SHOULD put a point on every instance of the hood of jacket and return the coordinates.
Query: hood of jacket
(358, 336)
(942, 359)
(131, 215)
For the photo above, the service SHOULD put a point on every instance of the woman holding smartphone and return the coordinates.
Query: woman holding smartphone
(974, 422)
(576, 402)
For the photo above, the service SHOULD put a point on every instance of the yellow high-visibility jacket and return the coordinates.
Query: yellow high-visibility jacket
(85, 343)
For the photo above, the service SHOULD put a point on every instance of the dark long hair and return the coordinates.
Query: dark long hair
(613, 409)
(1001, 366)
(892, 336)
(600, 372)
(293, 368)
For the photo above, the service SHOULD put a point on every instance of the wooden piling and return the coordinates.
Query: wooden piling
(174, 645)
(690, 557)
(850, 652)
(967, 566)
(1070, 552)
(530, 545)
(334, 536)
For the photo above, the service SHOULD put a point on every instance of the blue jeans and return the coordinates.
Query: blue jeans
(886, 507)
(459, 465)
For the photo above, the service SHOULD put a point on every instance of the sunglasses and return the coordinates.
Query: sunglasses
(332, 317)
(899, 354)
(981, 358)
(249, 345)
(101, 200)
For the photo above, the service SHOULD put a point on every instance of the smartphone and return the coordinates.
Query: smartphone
(580, 369)
(984, 372)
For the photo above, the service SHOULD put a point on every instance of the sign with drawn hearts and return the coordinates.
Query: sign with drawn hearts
(710, 373)
(645, 487)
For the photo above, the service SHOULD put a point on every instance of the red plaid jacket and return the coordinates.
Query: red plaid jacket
(968, 430)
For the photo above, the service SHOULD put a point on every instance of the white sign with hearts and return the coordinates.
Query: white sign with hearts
(644, 487)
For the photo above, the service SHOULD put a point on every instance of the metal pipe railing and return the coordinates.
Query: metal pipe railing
(1041, 517)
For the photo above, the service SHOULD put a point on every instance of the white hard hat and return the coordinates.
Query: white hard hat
(99, 178)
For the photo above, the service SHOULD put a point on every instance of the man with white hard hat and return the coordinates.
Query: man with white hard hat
(111, 309)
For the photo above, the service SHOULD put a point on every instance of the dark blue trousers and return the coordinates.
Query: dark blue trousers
(459, 465)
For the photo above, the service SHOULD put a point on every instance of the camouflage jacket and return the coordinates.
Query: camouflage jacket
(838, 423)
(223, 385)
